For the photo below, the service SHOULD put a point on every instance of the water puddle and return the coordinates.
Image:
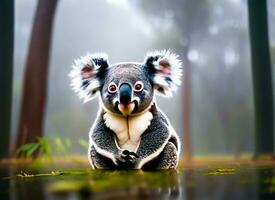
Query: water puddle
(192, 183)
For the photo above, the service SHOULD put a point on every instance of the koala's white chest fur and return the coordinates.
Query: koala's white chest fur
(128, 130)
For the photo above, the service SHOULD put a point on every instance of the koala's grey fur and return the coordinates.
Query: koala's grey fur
(143, 138)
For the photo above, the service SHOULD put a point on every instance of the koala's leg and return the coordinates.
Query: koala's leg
(99, 161)
(167, 159)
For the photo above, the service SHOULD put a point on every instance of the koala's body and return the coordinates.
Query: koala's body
(130, 131)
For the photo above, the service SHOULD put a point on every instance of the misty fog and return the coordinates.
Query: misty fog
(217, 41)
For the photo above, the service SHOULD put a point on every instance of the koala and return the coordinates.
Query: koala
(130, 131)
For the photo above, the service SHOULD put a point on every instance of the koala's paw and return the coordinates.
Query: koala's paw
(127, 159)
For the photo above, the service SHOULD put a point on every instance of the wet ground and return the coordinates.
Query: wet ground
(202, 183)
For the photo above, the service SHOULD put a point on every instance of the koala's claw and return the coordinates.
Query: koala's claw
(127, 159)
(129, 153)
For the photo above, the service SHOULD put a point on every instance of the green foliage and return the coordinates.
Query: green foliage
(83, 143)
(45, 147)
(27, 150)
(62, 146)
(41, 147)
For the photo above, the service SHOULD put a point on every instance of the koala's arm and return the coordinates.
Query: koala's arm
(103, 148)
(154, 139)
(103, 141)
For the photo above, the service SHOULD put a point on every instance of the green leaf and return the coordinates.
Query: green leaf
(83, 143)
(67, 142)
(27, 149)
(45, 145)
(61, 147)
(32, 149)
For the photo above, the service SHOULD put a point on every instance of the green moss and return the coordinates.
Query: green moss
(222, 171)
(89, 181)
(28, 175)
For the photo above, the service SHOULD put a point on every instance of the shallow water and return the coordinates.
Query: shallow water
(213, 183)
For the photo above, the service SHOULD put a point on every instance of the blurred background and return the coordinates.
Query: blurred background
(223, 111)
(211, 37)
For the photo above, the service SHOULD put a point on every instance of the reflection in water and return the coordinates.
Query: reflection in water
(189, 187)
(266, 184)
(24, 189)
(4, 184)
(225, 184)
(207, 183)
(32, 189)
(118, 185)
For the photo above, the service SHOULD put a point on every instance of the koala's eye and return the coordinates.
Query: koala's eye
(138, 86)
(112, 88)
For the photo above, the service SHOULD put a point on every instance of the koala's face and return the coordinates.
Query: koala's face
(127, 89)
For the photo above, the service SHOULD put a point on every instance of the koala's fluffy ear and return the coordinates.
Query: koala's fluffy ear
(165, 71)
(87, 74)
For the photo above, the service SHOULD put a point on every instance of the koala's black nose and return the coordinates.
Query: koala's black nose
(125, 93)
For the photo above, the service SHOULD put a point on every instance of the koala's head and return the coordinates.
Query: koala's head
(126, 88)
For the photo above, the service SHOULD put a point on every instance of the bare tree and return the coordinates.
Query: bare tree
(6, 56)
(262, 76)
(34, 94)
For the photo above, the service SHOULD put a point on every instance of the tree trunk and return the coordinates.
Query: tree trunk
(6, 66)
(34, 94)
(262, 78)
